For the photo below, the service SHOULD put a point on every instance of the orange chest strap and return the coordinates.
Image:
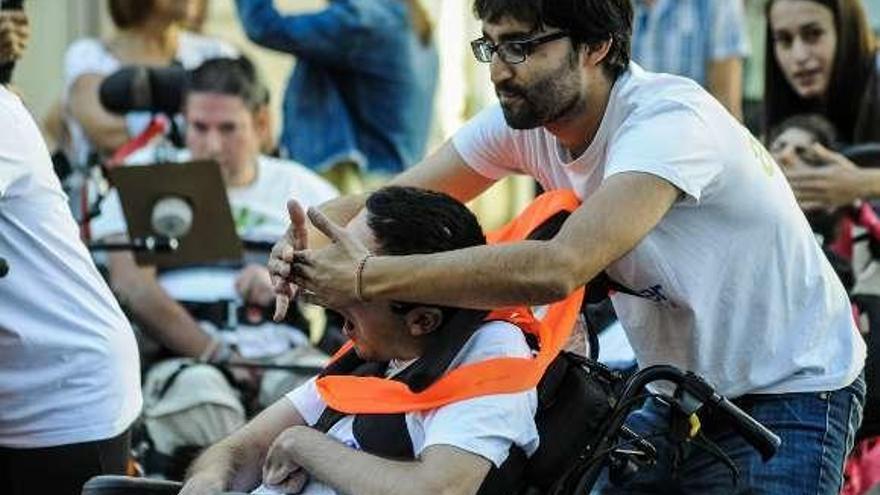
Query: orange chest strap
(374, 395)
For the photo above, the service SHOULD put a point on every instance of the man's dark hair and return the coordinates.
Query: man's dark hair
(408, 220)
(130, 13)
(233, 77)
(588, 21)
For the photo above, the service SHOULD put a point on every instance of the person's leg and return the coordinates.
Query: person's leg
(62, 470)
(817, 432)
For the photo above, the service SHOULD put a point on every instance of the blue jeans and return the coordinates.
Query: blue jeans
(817, 431)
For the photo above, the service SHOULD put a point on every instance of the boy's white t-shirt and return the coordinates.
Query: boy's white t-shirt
(69, 367)
(735, 286)
(486, 426)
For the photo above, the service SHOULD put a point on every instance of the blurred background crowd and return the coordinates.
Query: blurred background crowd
(327, 98)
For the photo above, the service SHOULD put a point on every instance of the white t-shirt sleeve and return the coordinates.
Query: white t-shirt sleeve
(669, 141)
(487, 144)
(308, 401)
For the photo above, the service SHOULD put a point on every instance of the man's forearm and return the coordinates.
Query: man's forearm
(351, 471)
(162, 318)
(725, 84)
(483, 277)
(231, 464)
(599, 232)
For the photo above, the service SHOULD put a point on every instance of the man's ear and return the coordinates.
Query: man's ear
(262, 119)
(595, 53)
(423, 320)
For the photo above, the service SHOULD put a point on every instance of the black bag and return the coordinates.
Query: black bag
(575, 399)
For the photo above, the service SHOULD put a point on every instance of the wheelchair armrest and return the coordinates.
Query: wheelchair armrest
(126, 485)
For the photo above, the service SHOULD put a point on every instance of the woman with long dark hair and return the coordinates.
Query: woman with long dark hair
(821, 58)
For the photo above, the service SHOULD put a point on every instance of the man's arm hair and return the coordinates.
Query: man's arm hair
(441, 469)
(236, 462)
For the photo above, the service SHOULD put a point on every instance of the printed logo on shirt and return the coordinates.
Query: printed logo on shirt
(762, 155)
(246, 220)
(657, 294)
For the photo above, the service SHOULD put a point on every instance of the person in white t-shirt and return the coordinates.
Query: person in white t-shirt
(69, 372)
(225, 108)
(147, 34)
(187, 310)
(453, 446)
(680, 204)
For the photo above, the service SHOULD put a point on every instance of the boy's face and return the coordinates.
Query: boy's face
(793, 148)
(378, 333)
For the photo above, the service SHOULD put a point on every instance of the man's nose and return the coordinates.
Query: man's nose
(213, 143)
(499, 70)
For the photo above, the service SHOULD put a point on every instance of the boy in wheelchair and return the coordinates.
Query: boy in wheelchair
(448, 449)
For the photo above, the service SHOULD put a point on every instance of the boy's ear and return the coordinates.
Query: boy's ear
(423, 320)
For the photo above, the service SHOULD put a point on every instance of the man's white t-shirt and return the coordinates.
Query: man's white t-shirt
(69, 368)
(735, 286)
(260, 213)
(486, 426)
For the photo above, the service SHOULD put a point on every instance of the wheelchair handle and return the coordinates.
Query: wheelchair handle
(762, 439)
(757, 435)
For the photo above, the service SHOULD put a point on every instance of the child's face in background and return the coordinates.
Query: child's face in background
(793, 148)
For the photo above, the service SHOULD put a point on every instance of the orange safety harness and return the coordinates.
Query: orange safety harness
(377, 395)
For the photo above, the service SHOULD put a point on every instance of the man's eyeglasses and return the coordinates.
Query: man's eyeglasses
(511, 52)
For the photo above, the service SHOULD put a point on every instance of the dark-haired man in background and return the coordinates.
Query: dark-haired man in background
(680, 204)
(187, 310)
(453, 447)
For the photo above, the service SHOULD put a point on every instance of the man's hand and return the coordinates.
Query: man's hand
(204, 484)
(328, 276)
(839, 183)
(254, 285)
(14, 34)
(296, 238)
(281, 470)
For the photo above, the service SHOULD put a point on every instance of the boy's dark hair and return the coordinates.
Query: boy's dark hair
(588, 22)
(409, 220)
(817, 125)
(230, 76)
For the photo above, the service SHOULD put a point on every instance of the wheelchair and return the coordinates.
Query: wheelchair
(575, 448)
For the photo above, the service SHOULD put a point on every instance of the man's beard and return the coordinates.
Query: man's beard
(544, 101)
